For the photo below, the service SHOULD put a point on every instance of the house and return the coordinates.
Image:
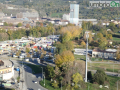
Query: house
(108, 54)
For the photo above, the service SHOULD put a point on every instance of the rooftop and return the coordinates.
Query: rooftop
(7, 64)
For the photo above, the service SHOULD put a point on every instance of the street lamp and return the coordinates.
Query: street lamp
(42, 73)
(117, 84)
(113, 68)
(44, 78)
(87, 36)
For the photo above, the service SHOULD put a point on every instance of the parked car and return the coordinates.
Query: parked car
(35, 81)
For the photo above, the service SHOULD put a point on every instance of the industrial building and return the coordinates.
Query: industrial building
(74, 13)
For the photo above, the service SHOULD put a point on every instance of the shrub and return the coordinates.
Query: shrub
(100, 77)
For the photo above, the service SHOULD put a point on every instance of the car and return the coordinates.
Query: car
(35, 81)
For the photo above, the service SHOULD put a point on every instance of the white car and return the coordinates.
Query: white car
(35, 81)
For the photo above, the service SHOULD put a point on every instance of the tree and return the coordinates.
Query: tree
(19, 24)
(83, 43)
(36, 49)
(109, 36)
(9, 32)
(49, 70)
(64, 57)
(84, 26)
(41, 56)
(76, 78)
(5, 24)
(28, 55)
(102, 43)
(99, 35)
(55, 84)
(18, 53)
(27, 50)
(27, 25)
(100, 77)
(112, 26)
(66, 37)
(69, 45)
(118, 54)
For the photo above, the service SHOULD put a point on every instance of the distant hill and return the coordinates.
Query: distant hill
(56, 8)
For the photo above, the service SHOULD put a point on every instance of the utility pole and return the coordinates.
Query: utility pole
(53, 37)
(44, 78)
(87, 36)
(42, 73)
(113, 68)
(61, 84)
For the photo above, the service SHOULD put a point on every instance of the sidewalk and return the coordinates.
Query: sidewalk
(22, 84)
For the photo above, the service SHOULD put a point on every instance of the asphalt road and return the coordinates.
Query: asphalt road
(29, 78)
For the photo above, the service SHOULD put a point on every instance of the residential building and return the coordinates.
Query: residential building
(74, 13)
(6, 69)
(108, 54)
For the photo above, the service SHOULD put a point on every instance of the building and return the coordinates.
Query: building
(33, 14)
(2, 14)
(108, 54)
(6, 69)
(74, 13)
(94, 21)
(66, 17)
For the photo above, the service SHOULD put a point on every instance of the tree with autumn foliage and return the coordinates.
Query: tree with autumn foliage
(118, 53)
(76, 78)
(9, 32)
(64, 57)
(70, 32)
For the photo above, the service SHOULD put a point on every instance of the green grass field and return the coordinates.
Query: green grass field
(106, 66)
(80, 57)
(58, 15)
(116, 39)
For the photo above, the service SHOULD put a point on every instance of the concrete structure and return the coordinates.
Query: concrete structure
(6, 69)
(2, 14)
(27, 14)
(94, 21)
(79, 51)
(74, 13)
(66, 17)
(108, 54)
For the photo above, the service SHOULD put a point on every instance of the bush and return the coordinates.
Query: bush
(100, 77)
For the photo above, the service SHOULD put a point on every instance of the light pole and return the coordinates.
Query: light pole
(87, 36)
(44, 78)
(113, 68)
(42, 73)
(117, 84)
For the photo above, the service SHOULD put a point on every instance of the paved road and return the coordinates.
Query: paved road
(30, 78)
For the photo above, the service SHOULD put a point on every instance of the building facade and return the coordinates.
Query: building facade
(27, 14)
(104, 54)
(6, 69)
(74, 13)
(66, 17)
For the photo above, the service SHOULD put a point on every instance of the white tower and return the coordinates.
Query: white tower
(74, 13)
